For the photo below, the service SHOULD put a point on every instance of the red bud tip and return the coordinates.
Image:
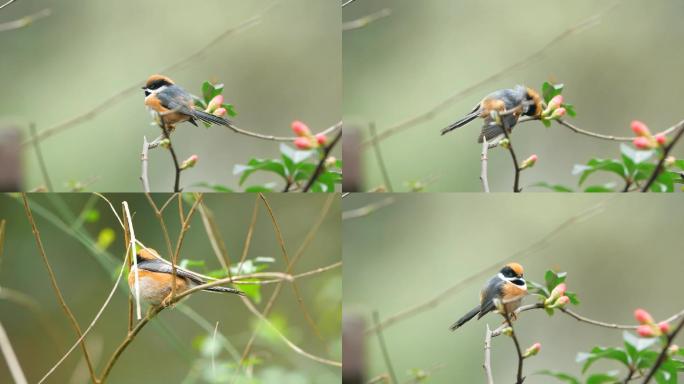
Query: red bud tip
(216, 102)
(661, 139)
(562, 301)
(640, 129)
(321, 139)
(556, 102)
(189, 162)
(642, 142)
(300, 129)
(664, 327)
(642, 316)
(220, 112)
(533, 350)
(646, 331)
(302, 143)
(529, 162)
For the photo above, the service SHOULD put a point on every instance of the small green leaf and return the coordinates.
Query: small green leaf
(602, 378)
(230, 109)
(570, 109)
(550, 90)
(637, 156)
(91, 216)
(598, 353)
(105, 238)
(605, 188)
(253, 165)
(253, 291)
(191, 264)
(594, 165)
(553, 187)
(297, 156)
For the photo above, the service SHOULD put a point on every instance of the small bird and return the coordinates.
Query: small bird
(503, 100)
(508, 286)
(174, 104)
(155, 276)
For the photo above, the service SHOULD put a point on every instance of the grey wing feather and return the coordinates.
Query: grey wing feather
(176, 99)
(487, 304)
(160, 266)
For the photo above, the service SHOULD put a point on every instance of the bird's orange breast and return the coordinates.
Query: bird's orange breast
(155, 286)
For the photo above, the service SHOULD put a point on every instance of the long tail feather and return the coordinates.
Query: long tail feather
(226, 289)
(465, 318)
(212, 119)
(467, 119)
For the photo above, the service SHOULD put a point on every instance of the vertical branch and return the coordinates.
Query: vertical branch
(519, 376)
(181, 236)
(378, 155)
(506, 131)
(131, 236)
(383, 348)
(214, 235)
(166, 133)
(144, 160)
(663, 354)
(483, 159)
(55, 287)
(321, 162)
(127, 242)
(41, 160)
(488, 356)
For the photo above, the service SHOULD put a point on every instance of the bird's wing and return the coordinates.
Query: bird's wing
(163, 267)
(176, 99)
(488, 296)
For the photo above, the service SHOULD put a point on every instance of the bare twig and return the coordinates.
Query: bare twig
(12, 1)
(483, 171)
(176, 164)
(519, 376)
(506, 132)
(41, 160)
(24, 21)
(367, 209)
(666, 152)
(131, 236)
(321, 163)
(458, 95)
(344, 4)
(488, 356)
(11, 358)
(144, 159)
(663, 354)
(519, 255)
(378, 156)
(215, 239)
(55, 287)
(365, 20)
(383, 348)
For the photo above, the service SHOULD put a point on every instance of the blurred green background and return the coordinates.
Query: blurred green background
(287, 67)
(173, 347)
(626, 67)
(623, 256)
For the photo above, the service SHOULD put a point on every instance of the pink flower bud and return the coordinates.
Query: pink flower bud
(529, 162)
(664, 327)
(560, 112)
(302, 143)
(562, 301)
(556, 293)
(189, 162)
(321, 139)
(220, 112)
(642, 316)
(214, 103)
(556, 102)
(646, 331)
(300, 129)
(640, 129)
(642, 142)
(533, 350)
(661, 139)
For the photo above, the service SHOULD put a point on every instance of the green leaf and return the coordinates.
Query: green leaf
(608, 187)
(573, 298)
(213, 187)
(564, 377)
(105, 238)
(638, 343)
(274, 166)
(230, 109)
(191, 264)
(553, 187)
(297, 156)
(594, 165)
(550, 90)
(260, 188)
(547, 123)
(602, 378)
(637, 156)
(253, 291)
(210, 90)
(553, 279)
(91, 216)
(679, 163)
(570, 109)
(598, 353)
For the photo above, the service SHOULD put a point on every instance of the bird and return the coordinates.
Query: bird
(155, 276)
(530, 103)
(508, 286)
(173, 104)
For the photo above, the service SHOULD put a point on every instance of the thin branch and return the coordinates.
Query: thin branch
(162, 223)
(365, 20)
(24, 21)
(367, 209)
(458, 95)
(666, 152)
(383, 348)
(483, 171)
(12, 1)
(92, 323)
(131, 236)
(663, 354)
(41, 160)
(176, 164)
(519, 376)
(506, 131)
(321, 163)
(134, 88)
(344, 4)
(11, 358)
(378, 156)
(55, 287)
(144, 159)
(479, 275)
(488, 356)
(185, 225)
(215, 239)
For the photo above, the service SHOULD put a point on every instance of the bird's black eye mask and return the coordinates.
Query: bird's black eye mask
(508, 272)
(158, 84)
(519, 282)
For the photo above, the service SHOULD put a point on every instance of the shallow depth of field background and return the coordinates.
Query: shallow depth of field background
(627, 67)
(624, 257)
(166, 349)
(284, 68)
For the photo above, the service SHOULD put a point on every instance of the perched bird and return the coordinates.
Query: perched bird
(508, 286)
(155, 276)
(174, 104)
(501, 101)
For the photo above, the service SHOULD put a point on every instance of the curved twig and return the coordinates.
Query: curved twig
(666, 152)
(663, 354)
(321, 162)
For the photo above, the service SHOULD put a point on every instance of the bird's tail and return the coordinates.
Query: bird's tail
(212, 119)
(467, 119)
(225, 289)
(465, 318)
